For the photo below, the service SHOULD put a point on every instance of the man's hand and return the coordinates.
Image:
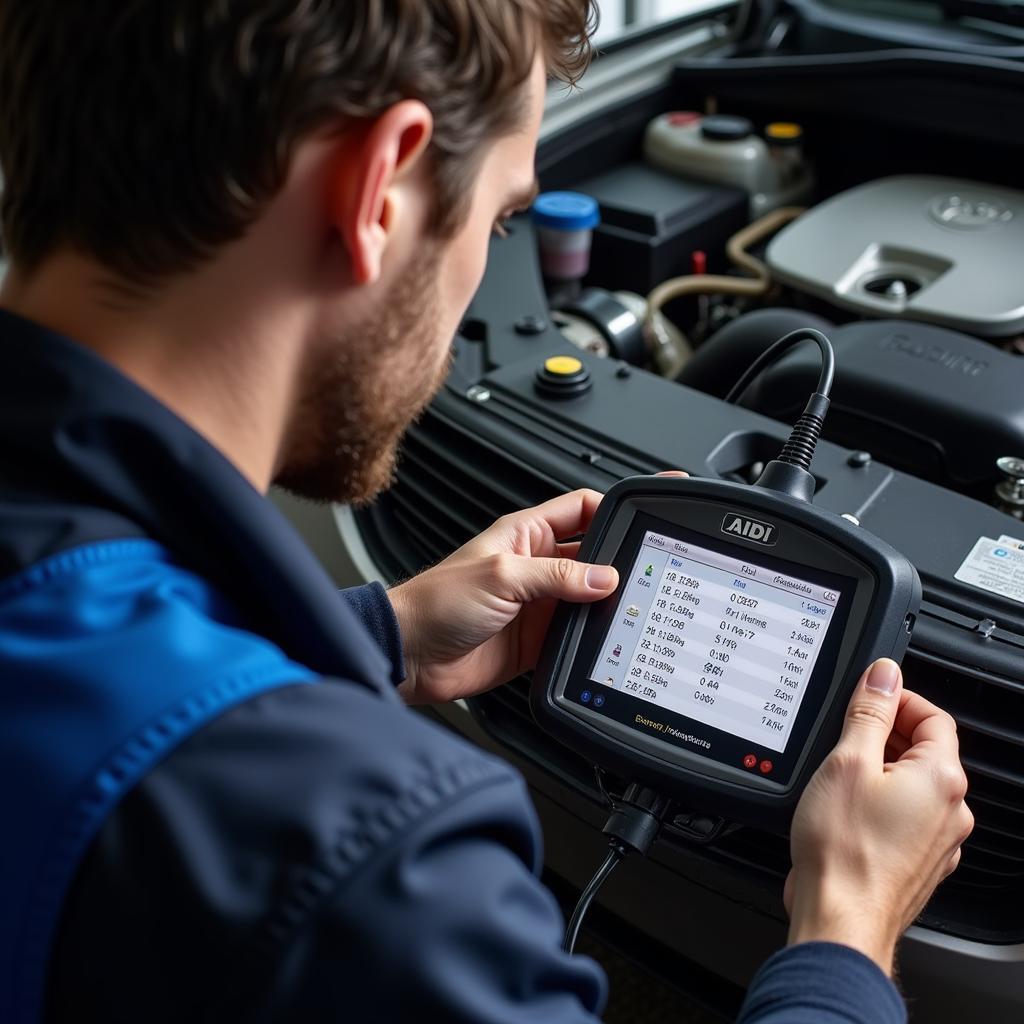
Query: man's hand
(479, 618)
(880, 824)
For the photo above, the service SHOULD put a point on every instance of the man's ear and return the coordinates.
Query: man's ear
(374, 158)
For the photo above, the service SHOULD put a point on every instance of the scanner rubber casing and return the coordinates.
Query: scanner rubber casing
(885, 606)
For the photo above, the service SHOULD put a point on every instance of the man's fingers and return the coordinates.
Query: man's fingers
(568, 515)
(787, 892)
(929, 728)
(571, 514)
(954, 863)
(872, 710)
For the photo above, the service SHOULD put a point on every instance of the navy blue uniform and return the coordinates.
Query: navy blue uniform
(222, 810)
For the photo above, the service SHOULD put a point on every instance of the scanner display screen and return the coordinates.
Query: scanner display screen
(722, 639)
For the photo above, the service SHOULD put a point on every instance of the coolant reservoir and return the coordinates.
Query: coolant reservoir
(724, 150)
(720, 149)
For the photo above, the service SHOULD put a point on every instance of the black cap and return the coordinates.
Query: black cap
(563, 377)
(723, 128)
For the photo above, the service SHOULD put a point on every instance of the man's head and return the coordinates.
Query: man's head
(152, 139)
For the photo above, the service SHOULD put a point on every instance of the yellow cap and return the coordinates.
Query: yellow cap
(787, 130)
(563, 366)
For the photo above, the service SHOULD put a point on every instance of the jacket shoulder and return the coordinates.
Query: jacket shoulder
(111, 656)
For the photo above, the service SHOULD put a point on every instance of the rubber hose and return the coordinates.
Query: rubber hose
(713, 368)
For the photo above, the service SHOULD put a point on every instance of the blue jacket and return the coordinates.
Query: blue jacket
(217, 808)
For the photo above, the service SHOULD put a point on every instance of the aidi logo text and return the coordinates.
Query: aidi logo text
(751, 529)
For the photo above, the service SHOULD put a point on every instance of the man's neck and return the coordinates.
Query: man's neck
(226, 368)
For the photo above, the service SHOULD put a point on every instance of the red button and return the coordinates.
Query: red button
(749, 761)
(682, 118)
(766, 767)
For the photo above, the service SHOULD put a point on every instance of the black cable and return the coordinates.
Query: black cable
(632, 826)
(775, 352)
(615, 855)
(599, 776)
(790, 473)
(799, 449)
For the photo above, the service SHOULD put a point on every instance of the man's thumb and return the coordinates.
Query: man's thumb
(873, 707)
(566, 580)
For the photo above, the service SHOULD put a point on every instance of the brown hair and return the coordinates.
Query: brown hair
(148, 134)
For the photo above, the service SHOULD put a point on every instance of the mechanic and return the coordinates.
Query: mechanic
(242, 235)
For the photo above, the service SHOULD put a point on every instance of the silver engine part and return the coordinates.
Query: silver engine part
(933, 249)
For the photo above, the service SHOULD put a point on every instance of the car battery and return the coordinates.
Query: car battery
(652, 223)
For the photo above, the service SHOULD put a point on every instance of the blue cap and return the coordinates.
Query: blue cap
(566, 211)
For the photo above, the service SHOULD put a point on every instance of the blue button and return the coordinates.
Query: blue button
(599, 701)
(585, 696)
(566, 211)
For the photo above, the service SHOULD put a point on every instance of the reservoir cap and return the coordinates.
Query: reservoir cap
(723, 128)
(563, 366)
(566, 211)
(683, 118)
(784, 133)
(563, 377)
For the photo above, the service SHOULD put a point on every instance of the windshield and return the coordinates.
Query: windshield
(622, 17)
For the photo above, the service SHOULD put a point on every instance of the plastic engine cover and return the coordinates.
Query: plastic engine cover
(932, 402)
(935, 249)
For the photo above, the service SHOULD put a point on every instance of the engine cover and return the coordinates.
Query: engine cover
(933, 249)
(932, 402)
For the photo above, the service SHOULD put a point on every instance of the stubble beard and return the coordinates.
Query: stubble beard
(358, 400)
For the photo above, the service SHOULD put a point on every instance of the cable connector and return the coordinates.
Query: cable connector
(790, 472)
(632, 826)
(636, 818)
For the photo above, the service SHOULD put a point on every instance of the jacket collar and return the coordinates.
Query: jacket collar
(75, 432)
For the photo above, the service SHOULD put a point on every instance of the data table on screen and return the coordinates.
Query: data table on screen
(719, 639)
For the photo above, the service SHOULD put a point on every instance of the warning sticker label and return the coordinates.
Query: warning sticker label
(996, 566)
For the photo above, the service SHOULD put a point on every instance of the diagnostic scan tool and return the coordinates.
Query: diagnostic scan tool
(719, 673)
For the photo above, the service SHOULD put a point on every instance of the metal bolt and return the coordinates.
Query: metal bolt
(1013, 469)
(986, 627)
(1010, 493)
(624, 371)
(859, 460)
(530, 325)
(478, 393)
(897, 291)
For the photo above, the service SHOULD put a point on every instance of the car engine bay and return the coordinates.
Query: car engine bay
(869, 195)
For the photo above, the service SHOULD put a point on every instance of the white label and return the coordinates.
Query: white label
(996, 566)
(1013, 542)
